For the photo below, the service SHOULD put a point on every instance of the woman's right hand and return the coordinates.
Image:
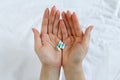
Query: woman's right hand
(45, 45)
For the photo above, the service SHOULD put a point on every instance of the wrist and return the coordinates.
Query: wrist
(73, 67)
(49, 73)
(50, 68)
(74, 72)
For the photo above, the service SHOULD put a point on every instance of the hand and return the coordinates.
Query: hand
(77, 44)
(46, 41)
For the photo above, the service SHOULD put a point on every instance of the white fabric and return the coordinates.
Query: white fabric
(18, 60)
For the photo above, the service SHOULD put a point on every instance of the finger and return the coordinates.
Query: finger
(69, 18)
(77, 28)
(51, 19)
(45, 21)
(59, 32)
(63, 30)
(86, 36)
(56, 21)
(37, 39)
(66, 23)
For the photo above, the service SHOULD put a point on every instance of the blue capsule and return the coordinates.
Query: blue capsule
(60, 45)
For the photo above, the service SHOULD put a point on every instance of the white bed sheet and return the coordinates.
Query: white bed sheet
(18, 60)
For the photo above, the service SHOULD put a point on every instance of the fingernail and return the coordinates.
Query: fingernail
(74, 13)
(54, 7)
(58, 11)
(91, 28)
(47, 8)
(33, 30)
(67, 11)
(63, 12)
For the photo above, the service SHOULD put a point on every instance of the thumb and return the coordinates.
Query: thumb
(86, 36)
(37, 39)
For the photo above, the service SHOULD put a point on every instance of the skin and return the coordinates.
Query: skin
(77, 44)
(45, 45)
(69, 31)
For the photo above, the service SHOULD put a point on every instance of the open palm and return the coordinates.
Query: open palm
(76, 41)
(46, 41)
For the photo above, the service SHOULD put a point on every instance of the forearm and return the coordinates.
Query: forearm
(74, 72)
(49, 73)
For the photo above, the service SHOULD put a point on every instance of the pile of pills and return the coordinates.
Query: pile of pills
(60, 45)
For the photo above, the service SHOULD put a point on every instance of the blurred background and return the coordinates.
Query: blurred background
(18, 60)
